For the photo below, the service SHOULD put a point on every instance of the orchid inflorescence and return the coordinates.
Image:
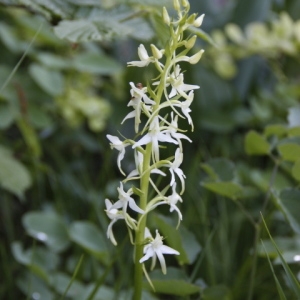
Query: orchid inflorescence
(151, 102)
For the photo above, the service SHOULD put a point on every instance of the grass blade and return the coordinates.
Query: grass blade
(290, 276)
(278, 285)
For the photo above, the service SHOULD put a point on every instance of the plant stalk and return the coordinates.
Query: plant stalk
(138, 268)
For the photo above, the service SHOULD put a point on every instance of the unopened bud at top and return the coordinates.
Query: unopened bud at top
(166, 16)
(185, 3)
(196, 57)
(198, 21)
(176, 5)
(156, 53)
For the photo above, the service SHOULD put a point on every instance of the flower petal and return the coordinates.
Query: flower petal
(146, 139)
(134, 207)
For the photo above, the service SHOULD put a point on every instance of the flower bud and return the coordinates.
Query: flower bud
(156, 53)
(191, 19)
(166, 16)
(196, 57)
(198, 21)
(191, 42)
(184, 3)
(176, 5)
(234, 33)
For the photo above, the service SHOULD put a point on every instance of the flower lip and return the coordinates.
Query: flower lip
(156, 249)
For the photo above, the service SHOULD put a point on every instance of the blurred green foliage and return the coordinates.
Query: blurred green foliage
(64, 86)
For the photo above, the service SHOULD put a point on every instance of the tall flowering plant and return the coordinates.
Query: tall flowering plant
(161, 104)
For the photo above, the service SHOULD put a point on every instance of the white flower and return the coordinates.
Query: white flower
(139, 158)
(145, 60)
(174, 168)
(185, 107)
(114, 215)
(120, 146)
(156, 249)
(178, 86)
(172, 130)
(154, 136)
(138, 95)
(173, 199)
(125, 200)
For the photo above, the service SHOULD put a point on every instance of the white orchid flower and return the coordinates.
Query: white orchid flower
(125, 200)
(172, 130)
(139, 158)
(138, 97)
(174, 168)
(185, 107)
(120, 146)
(178, 86)
(114, 215)
(173, 199)
(154, 136)
(156, 249)
(145, 60)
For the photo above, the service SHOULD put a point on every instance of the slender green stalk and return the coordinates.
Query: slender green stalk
(138, 269)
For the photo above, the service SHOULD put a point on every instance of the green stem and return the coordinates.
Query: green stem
(138, 268)
(144, 185)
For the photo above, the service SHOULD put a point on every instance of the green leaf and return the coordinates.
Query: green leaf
(49, 7)
(182, 240)
(289, 151)
(294, 131)
(96, 63)
(296, 170)
(37, 285)
(289, 202)
(227, 189)
(88, 236)
(39, 260)
(261, 179)
(77, 31)
(52, 82)
(219, 168)
(39, 118)
(7, 116)
(47, 228)
(217, 292)
(209, 171)
(53, 61)
(14, 177)
(278, 130)
(256, 144)
(105, 25)
(60, 282)
(103, 292)
(173, 287)
(191, 246)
